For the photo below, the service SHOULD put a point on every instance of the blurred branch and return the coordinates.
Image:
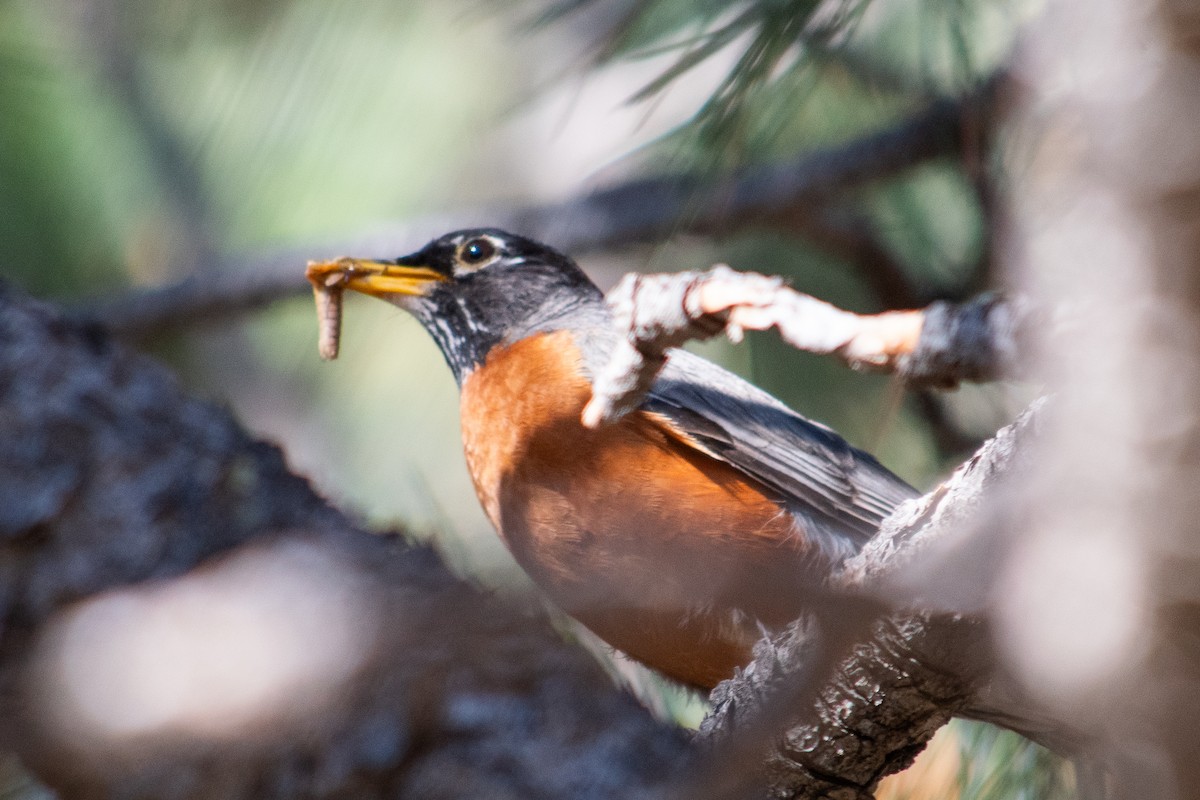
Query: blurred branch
(638, 211)
(940, 345)
(105, 28)
(126, 506)
(121, 498)
(1101, 614)
(901, 682)
(948, 436)
(981, 126)
(851, 236)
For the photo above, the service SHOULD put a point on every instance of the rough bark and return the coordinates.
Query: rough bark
(120, 495)
(131, 511)
(900, 682)
(941, 345)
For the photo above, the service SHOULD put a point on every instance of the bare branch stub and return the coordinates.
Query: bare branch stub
(937, 346)
(979, 340)
(658, 312)
(655, 313)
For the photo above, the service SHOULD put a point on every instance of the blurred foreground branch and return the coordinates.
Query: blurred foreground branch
(183, 618)
(637, 211)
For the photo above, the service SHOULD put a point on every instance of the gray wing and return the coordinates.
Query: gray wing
(841, 494)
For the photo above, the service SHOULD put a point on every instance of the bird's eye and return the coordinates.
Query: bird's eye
(477, 251)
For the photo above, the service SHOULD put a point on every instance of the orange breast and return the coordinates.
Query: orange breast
(665, 552)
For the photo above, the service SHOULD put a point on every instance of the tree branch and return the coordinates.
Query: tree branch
(638, 211)
(938, 346)
(903, 681)
(182, 617)
(154, 552)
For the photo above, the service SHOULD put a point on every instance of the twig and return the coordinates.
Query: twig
(937, 346)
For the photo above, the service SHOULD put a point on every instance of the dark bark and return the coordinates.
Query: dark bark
(113, 483)
(122, 497)
(980, 340)
(908, 675)
(883, 703)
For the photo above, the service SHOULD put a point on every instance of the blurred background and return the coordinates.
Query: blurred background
(146, 141)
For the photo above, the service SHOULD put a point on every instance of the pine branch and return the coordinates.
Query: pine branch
(638, 211)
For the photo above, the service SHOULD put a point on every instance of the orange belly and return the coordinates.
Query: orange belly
(665, 552)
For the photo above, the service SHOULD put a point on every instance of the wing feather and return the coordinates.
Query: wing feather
(841, 493)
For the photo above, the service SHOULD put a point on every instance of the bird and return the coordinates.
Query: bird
(677, 534)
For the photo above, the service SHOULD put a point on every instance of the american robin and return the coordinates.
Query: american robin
(676, 534)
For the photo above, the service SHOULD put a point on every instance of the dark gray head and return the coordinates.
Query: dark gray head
(474, 289)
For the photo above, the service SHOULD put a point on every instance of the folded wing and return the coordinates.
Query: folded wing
(838, 493)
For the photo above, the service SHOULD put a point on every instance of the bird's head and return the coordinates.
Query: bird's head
(474, 289)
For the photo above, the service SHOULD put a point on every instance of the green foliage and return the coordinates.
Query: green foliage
(778, 52)
(70, 182)
(1000, 765)
(299, 120)
(930, 219)
(324, 117)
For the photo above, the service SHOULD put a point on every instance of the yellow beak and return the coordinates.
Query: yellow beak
(376, 278)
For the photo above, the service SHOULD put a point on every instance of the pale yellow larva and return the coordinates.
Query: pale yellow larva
(327, 292)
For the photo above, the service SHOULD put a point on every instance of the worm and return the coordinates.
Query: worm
(327, 292)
